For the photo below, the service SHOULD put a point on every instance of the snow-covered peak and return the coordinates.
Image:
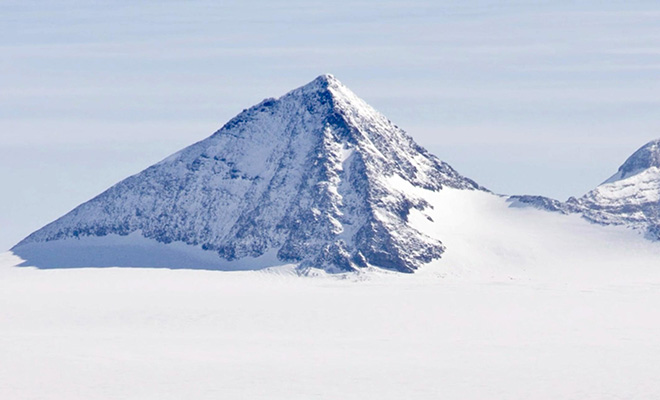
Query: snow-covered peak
(305, 178)
(324, 79)
(646, 157)
(326, 83)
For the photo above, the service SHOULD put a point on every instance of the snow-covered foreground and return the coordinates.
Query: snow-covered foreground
(524, 305)
(163, 334)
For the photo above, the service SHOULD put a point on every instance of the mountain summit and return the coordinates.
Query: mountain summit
(314, 178)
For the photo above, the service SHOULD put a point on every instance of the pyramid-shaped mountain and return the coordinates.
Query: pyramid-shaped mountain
(312, 179)
(630, 197)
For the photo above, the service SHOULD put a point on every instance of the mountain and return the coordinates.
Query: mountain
(316, 178)
(631, 197)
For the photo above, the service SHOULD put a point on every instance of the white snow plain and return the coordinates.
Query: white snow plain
(524, 304)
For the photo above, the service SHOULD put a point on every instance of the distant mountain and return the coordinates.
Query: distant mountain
(316, 178)
(631, 197)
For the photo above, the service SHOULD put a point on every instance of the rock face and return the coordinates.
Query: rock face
(631, 197)
(542, 203)
(307, 176)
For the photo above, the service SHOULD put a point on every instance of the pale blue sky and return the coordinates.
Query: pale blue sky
(544, 97)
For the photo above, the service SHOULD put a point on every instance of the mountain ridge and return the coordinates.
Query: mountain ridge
(316, 178)
(630, 197)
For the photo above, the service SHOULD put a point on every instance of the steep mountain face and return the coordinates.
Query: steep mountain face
(307, 176)
(631, 197)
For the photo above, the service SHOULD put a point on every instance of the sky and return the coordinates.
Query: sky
(543, 97)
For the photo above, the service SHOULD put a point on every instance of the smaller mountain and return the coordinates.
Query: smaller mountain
(630, 197)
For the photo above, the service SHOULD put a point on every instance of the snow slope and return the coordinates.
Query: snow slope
(302, 177)
(523, 304)
(490, 238)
